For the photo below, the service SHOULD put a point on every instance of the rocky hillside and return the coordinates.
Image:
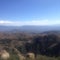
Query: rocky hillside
(44, 44)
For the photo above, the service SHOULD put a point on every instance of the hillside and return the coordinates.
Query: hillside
(44, 44)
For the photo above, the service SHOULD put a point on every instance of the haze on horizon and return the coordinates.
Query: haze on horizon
(29, 12)
(30, 23)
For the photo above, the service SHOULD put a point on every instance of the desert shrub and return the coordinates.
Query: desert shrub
(40, 57)
(14, 57)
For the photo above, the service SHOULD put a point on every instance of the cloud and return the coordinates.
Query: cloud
(33, 22)
(5, 22)
(2, 22)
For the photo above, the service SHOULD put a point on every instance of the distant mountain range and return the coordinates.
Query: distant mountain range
(34, 29)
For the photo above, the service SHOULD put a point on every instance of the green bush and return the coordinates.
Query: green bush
(14, 57)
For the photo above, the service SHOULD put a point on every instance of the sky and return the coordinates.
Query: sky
(29, 12)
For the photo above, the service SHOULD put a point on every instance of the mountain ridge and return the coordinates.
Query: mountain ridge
(35, 29)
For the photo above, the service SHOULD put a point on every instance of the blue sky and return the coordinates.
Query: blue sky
(29, 12)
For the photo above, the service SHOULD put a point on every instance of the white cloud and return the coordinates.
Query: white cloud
(33, 22)
(2, 22)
